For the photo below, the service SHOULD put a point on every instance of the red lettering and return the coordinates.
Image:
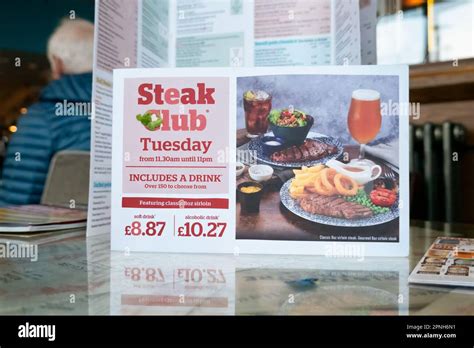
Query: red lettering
(145, 94)
(198, 121)
(205, 94)
(180, 122)
(172, 96)
(165, 126)
(158, 94)
(189, 96)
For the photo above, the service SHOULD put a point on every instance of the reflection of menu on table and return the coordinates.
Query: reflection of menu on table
(317, 292)
(117, 35)
(320, 285)
(182, 285)
(41, 287)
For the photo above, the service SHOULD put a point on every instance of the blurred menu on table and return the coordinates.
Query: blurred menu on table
(38, 218)
(448, 261)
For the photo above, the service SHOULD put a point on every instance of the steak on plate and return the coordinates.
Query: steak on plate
(334, 206)
(310, 150)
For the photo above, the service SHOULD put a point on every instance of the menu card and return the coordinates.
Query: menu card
(448, 261)
(223, 33)
(281, 160)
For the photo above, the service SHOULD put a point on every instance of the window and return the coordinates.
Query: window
(413, 32)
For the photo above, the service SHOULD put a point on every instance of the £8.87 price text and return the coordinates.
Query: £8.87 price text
(151, 228)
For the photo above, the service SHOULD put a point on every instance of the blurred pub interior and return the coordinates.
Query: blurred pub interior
(435, 37)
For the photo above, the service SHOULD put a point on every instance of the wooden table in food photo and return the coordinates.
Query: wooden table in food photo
(275, 222)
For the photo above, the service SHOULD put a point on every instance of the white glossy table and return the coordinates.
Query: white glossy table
(76, 276)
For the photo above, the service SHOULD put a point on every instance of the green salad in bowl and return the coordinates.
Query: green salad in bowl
(291, 125)
(288, 118)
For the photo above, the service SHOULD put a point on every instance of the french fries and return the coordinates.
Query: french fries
(304, 180)
(321, 180)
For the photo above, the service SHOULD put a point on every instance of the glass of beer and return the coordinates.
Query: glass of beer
(364, 119)
(257, 106)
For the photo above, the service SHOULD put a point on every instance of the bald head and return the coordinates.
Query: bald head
(70, 47)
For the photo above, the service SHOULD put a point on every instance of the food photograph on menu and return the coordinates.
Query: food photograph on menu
(318, 158)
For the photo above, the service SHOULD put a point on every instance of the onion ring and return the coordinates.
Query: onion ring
(338, 178)
(321, 189)
(327, 178)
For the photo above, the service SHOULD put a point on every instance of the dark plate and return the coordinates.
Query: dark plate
(255, 146)
(292, 205)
